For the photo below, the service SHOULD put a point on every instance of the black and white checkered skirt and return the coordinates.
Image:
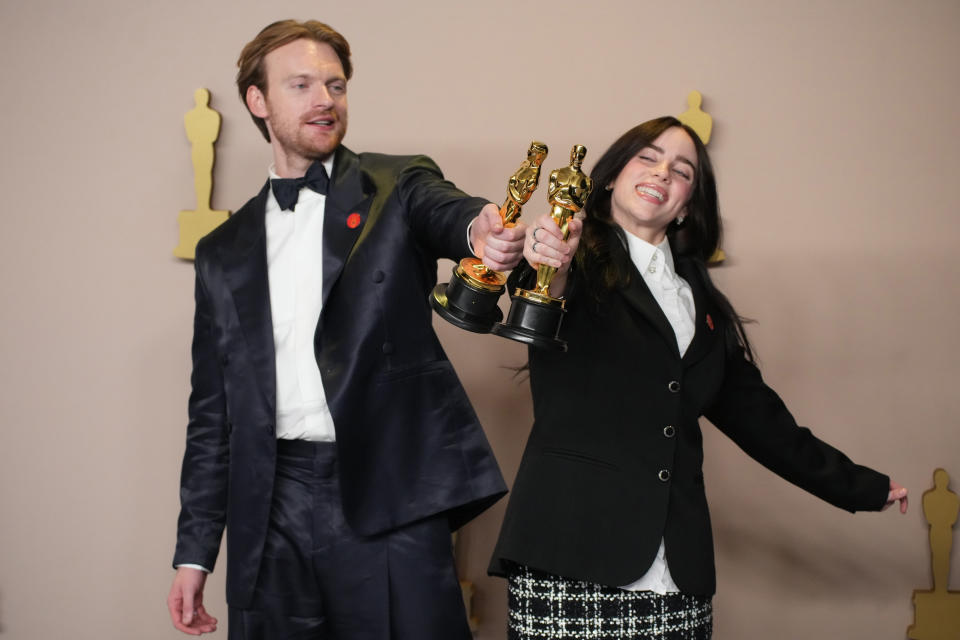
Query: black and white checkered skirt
(548, 607)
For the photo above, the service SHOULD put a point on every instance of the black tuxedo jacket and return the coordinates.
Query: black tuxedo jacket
(408, 441)
(614, 460)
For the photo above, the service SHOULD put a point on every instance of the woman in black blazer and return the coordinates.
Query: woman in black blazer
(607, 533)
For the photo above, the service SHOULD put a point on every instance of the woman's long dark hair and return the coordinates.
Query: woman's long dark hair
(697, 238)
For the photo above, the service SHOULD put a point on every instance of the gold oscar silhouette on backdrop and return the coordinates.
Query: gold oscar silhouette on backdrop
(937, 611)
(696, 118)
(701, 122)
(203, 127)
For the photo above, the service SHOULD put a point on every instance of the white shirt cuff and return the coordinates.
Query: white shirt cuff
(193, 566)
(470, 244)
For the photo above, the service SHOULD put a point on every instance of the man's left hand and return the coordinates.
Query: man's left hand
(897, 494)
(499, 247)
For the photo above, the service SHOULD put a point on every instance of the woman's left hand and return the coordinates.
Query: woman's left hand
(545, 243)
(896, 493)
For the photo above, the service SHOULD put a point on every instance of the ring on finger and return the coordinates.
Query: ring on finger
(534, 247)
(535, 232)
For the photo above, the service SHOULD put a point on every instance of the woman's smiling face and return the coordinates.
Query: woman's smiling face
(653, 188)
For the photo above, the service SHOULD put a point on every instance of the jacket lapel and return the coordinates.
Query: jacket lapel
(345, 216)
(638, 294)
(245, 271)
(706, 328)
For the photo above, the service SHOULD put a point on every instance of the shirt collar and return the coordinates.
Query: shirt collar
(651, 260)
(327, 164)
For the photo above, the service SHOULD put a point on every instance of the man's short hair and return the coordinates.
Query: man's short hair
(252, 71)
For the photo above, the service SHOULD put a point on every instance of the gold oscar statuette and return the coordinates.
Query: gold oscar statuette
(535, 315)
(469, 300)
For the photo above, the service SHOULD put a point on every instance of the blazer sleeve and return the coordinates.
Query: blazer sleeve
(203, 479)
(438, 212)
(756, 419)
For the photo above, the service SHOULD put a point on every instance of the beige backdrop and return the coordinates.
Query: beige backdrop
(835, 145)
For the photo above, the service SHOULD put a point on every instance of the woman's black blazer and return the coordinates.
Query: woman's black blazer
(614, 461)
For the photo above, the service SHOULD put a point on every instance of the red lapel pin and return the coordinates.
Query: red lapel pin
(354, 220)
(710, 322)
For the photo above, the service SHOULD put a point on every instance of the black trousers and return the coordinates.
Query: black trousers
(318, 580)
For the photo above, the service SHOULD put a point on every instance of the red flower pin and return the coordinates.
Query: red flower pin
(710, 322)
(354, 220)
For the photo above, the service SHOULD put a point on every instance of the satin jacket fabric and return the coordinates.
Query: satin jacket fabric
(614, 459)
(409, 443)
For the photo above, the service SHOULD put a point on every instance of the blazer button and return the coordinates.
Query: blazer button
(378, 276)
(674, 386)
(669, 431)
(664, 475)
(387, 348)
(272, 430)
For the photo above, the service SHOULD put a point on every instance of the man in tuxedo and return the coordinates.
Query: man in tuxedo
(328, 431)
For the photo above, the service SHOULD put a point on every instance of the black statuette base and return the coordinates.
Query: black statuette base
(466, 307)
(535, 323)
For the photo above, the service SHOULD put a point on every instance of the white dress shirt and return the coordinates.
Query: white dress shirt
(295, 273)
(675, 298)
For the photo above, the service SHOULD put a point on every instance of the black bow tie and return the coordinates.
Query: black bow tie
(287, 190)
